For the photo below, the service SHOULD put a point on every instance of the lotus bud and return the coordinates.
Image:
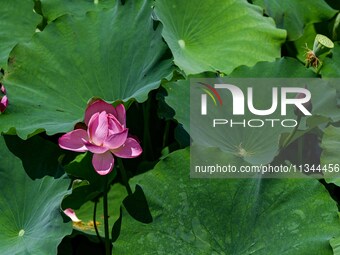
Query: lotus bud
(3, 104)
(72, 215)
(2, 89)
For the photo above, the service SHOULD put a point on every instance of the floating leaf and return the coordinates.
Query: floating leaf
(330, 154)
(335, 243)
(295, 15)
(114, 54)
(234, 216)
(53, 9)
(281, 68)
(18, 23)
(137, 206)
(39, 156)
(331, 66)
(179, 99)
(221, 35)
(30, 215)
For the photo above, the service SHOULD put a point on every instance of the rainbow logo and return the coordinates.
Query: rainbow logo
(212, 92)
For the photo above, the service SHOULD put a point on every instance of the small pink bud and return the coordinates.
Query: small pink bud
(3, 90)
(70, 213)
(3, 104)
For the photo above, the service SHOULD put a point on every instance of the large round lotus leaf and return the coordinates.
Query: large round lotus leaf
(229, 216)
(53, 9)
(281, 68)
(179, 99)
(18, 23)
(255, 145)
(30, 216)
(330, 159)
(295, 15)
(220, 35)
(113, 54)
(331, 66)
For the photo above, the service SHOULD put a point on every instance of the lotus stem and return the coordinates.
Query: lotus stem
(106, 218)
(95, 222)
(300, 150)
(147, 148)
(124, 176)
(166, 133)
(289, 138)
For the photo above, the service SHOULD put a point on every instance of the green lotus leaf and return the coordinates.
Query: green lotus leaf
(39, 156)
(295, 15)
(234, 216)
(221, 35)
(281, 68)
(336, 27)
(30, 216)
(113, 54)
(330, 154)
(335, 243)
(333, 4)
(179, 99)
(18, 23)
(53, 9)
(331, 66)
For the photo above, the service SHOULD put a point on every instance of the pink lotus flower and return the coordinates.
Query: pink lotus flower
(106, 135)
